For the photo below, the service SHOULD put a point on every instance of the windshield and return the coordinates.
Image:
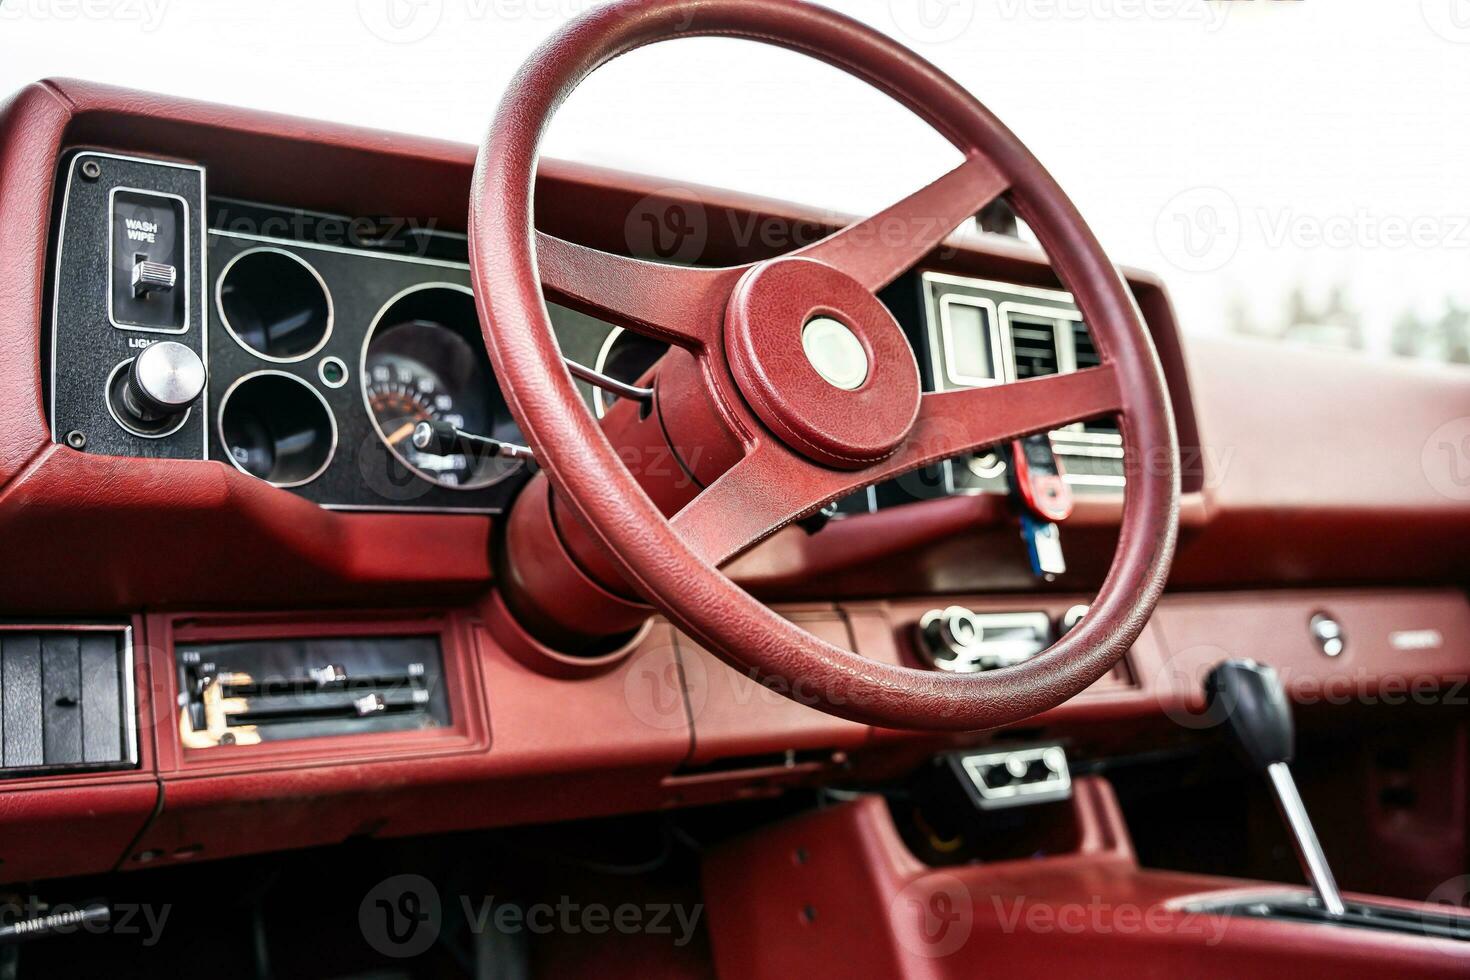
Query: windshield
(1293, 170)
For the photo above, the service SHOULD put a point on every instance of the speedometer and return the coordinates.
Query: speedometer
(423, 361)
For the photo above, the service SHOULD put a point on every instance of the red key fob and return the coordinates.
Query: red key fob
(1039, 478)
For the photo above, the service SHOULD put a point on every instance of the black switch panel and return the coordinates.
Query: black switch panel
(149, 261)
(129, 272)
(65, 700)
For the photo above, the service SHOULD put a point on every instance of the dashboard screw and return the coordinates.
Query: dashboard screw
(76, 439)
(91, 170)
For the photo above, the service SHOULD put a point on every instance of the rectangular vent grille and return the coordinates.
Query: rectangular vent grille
(1034, 347)
(66, 700)
(1087, 355)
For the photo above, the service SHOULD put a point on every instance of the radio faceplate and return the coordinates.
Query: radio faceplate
(965, 642)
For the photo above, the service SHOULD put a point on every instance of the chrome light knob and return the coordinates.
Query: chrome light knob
(163, 381)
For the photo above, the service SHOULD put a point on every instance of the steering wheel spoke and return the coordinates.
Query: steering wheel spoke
(768, 489)
(877, 250)
(966, 419)
(771, 486)
(681, 305)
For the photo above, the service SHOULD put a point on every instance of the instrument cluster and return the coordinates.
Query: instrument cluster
(302, 349)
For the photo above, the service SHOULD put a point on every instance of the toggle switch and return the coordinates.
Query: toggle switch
(149, 249)
(150, 277)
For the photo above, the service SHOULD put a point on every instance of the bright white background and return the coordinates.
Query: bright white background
(1241, 148)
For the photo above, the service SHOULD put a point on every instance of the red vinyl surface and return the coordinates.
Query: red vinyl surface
(836, 890)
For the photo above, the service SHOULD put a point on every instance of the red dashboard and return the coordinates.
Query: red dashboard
(1292, 506)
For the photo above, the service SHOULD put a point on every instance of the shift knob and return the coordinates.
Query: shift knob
(1249, 699)
(163, 381)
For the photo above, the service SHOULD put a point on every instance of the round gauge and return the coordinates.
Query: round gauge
(423, 361)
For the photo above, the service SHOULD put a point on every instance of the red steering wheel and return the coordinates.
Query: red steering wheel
(812, 375)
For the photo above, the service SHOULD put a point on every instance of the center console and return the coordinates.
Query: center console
(841, 886)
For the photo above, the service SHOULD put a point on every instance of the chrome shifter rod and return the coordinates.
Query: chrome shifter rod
(441, 438)
(1249, 699)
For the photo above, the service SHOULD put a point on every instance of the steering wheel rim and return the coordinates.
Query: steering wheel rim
(724, 316)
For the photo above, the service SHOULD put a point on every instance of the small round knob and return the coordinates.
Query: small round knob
(163, 381)
(1327, 633)
(958, 630)
(949, 637)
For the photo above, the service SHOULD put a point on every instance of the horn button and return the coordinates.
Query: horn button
(822, 362)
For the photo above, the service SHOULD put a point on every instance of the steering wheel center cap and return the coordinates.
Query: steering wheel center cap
(835, 353)
(822, 362)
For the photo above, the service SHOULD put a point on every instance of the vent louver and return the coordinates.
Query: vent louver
(1034, 346)
(1087, 355)
(66, 700)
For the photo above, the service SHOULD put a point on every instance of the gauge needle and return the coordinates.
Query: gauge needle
(402, 432)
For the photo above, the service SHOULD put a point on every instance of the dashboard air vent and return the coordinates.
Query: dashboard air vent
(1086, 350)
(66, 696)
(1034, 345)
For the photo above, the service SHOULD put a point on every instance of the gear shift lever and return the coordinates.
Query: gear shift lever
(1249, 698)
